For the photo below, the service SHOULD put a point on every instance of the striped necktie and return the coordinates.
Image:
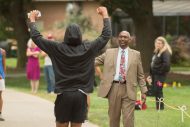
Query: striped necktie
(122, 75)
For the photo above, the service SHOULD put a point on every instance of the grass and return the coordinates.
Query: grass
(11, 62)
(98, 109)
(150, 117)
(168, 117)
(174, 68)
(98, 113)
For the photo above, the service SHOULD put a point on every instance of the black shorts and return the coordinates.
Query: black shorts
(71, 107)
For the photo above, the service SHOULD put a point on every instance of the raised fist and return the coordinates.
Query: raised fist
(33, 15)
(102, 11)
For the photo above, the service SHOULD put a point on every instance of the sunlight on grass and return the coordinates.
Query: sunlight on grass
(180, 68)
(11, 62)
(150, 117)
(98, 113)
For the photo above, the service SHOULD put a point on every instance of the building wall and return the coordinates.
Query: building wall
(53, 12)
(89, 9)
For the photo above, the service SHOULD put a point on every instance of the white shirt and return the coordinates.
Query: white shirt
(47, 61)
(116, 77)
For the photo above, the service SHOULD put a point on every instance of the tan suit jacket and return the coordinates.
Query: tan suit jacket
(134, 73)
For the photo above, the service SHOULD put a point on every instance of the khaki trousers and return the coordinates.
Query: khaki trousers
(119, 102)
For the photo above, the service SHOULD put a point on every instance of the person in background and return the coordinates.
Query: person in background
(149, 86)
(2, 78)
(159, 68)
(122, 73)
(99, 72)
(48, 69)
(33, 66)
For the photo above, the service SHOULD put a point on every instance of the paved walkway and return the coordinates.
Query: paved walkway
(25, 110)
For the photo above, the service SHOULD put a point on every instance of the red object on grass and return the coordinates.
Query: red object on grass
(139, 105)
(144, 106)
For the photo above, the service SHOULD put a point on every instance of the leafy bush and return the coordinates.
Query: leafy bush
(6, 31)
(181, 49)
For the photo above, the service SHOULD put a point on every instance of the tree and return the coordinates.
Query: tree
(141, 11)
(5, 31)
(14, 11)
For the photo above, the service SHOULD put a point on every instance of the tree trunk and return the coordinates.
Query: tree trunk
(145, 36)
(21, 31)
(146, 27)
(145, 30)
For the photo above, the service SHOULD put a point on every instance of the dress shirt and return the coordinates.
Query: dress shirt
(116, 77)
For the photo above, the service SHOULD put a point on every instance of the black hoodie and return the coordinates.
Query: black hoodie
(73, 35)
(73, 60)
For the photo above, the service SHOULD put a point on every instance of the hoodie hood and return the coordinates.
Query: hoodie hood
(73, 35)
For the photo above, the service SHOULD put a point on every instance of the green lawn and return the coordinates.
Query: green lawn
(180, 68)
(150, 117)
(11, 62)
(98, 109)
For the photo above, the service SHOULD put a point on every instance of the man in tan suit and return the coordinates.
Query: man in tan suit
(122, 73)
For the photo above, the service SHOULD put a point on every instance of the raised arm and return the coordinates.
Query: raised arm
(46, 45)
(102, 40)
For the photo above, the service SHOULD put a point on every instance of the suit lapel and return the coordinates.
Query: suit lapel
(129, 58)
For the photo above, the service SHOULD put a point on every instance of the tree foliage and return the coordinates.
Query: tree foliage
(141, 11)
(5, 30)
(14, 12)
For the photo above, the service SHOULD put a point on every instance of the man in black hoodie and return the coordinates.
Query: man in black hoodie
(73, 65)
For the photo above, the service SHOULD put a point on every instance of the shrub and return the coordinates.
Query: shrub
(81, 20)
(181, 50)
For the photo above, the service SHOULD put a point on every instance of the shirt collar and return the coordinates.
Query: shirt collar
(126, 49)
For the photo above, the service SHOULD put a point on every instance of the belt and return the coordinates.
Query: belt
(124, 82)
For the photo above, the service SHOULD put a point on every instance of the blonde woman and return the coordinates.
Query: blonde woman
(160, 66)
(33, 67)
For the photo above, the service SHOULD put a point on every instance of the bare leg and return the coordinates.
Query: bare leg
(36, 85)
(88, 106)
(1, 105)
(88, 102)
(62, 124)
(76, 124)
(1, 101)
(32, 85)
